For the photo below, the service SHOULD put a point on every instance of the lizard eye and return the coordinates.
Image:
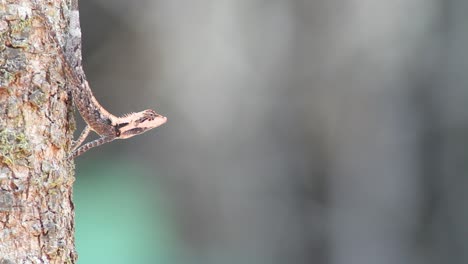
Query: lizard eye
(148, 115)
(151, 113)
(145, 118)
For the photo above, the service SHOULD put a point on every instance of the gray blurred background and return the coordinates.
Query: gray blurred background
(331, 132)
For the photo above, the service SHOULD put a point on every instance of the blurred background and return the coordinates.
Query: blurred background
(325, 132)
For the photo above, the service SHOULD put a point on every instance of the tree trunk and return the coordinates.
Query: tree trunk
(36, 125)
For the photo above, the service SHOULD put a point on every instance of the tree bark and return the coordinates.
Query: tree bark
(36, 126)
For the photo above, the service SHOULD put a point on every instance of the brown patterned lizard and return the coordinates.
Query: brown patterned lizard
(98, 119)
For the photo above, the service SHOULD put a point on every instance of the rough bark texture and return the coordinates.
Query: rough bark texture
(36, 124)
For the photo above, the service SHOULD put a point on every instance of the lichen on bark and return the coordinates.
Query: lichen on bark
(36, 125)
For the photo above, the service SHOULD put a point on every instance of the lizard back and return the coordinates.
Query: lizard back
(100, 120)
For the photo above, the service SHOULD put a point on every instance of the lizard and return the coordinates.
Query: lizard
(108, 126)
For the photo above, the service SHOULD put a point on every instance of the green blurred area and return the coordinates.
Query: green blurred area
(121, 217)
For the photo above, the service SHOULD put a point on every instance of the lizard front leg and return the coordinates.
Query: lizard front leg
(90, 145)
(81, 138)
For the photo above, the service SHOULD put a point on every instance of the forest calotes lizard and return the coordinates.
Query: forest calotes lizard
(98, 119)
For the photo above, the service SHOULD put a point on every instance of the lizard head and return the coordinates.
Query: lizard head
(137, 123)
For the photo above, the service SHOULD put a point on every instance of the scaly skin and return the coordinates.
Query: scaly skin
(98, 119)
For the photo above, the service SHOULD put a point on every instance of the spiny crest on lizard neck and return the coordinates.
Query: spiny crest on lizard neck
(134, 124)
